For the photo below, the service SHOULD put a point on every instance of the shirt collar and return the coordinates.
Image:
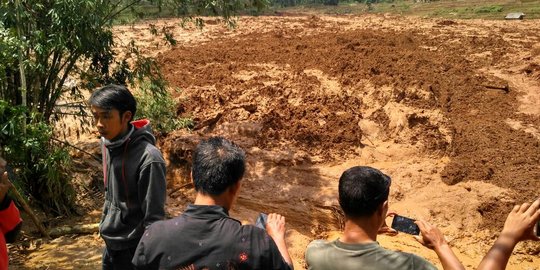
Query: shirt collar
(363, 246)
(206, 211)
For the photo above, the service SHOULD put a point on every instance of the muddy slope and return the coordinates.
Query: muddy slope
(306, 91)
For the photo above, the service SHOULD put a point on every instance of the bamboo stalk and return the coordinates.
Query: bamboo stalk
(21, 58)
(29, 211)
(21, 200)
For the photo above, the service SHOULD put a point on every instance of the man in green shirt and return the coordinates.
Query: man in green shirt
(363, 196)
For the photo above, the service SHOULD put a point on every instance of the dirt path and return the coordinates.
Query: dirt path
(309, 97)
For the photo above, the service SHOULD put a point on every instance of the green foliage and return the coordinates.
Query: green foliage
(168, 36)
(160, 110)
(54, 44)
(479, 9)
(9, 45)
(56, 35)
(41, 166)
(189, 10)
(403, 7)
(489, 9)
(64, 40)
(50, 51)
(331, 2)
(535, 10)
(290, 3)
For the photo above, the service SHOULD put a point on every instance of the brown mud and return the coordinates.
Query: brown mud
(308, 91)
(449, 109)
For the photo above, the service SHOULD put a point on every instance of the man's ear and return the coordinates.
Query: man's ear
(234, 189)
(127, 116)
(383, 209)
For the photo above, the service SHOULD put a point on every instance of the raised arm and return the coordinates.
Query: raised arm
(519, 226)
(432, 237)
(275, 226)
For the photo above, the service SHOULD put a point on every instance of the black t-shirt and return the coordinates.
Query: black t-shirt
(205, 237)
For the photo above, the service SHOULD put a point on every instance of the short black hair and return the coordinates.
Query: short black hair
(114, 96)
(217, 164)
(362, 190)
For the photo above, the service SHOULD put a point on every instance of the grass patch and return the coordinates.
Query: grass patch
(489, 9)
(451, 9)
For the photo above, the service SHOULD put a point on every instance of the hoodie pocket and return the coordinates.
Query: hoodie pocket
(113, 221)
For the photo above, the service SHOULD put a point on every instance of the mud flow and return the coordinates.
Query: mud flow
(449, 109)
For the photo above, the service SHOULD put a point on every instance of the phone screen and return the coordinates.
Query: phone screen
(406, 225)
(261, 221)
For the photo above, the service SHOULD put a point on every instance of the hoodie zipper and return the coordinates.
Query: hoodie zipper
(126, 188)
(104, 161)
(106, 172)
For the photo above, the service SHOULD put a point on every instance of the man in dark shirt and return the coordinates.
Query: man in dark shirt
(204, 236)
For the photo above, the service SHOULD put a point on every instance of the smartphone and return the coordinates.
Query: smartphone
(538, 228)
(405, 224)
(261, 221)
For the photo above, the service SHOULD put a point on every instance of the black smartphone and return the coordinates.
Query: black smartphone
(405, 224)
(261, 221)
(538, 228)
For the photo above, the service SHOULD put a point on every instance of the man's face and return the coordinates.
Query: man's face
(109, 123)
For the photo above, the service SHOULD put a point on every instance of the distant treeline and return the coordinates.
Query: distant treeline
(291, 3)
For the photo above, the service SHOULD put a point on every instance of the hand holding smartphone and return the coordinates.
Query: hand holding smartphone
(405, 224)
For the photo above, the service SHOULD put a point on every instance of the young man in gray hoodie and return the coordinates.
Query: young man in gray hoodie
(133, 174)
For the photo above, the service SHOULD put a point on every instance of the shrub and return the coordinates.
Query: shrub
(489, 9)
(49, 52)
(160, 109)
(41, 166)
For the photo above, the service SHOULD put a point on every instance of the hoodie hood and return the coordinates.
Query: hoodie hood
(138, 130)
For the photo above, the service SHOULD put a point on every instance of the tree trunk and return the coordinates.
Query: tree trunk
(76, 229)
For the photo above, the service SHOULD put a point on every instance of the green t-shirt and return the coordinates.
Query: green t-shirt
(323, 255)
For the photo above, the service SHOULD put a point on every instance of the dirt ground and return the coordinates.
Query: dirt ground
(449, 109)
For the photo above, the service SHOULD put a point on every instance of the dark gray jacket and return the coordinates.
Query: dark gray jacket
(135, 186)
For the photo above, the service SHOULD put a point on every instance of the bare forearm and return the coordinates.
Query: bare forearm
(448, 259)
(282, 247)
(497, 257)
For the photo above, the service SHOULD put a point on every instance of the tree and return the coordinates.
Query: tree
(51, 50)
